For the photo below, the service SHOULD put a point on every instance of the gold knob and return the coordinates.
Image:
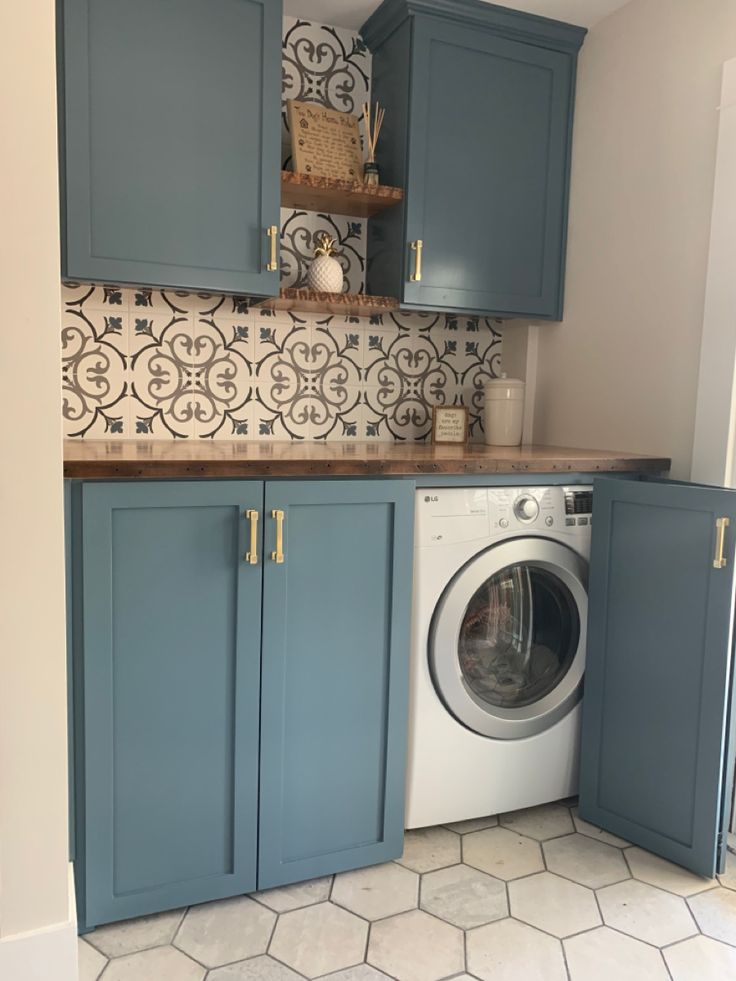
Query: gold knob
(273, 235)
(416, 248)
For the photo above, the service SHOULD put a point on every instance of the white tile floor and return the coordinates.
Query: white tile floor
(538, 895)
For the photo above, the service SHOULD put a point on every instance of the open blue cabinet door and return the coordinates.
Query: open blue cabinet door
(656, 767)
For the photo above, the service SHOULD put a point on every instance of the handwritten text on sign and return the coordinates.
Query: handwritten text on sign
(324, 143)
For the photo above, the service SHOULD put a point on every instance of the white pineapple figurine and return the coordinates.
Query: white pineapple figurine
(325, 273)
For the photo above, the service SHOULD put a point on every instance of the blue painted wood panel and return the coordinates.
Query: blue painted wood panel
(658, 678)
(336, 620)
(485, 167)
(170, 127)
(171, 674)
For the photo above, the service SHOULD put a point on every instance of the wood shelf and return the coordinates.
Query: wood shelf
(335, 197)
(342, 304)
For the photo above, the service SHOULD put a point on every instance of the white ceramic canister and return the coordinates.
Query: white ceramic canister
(504, 411)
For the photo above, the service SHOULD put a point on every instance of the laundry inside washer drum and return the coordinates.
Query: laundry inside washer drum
(518, 637)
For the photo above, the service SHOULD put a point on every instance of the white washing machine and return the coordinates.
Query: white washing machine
(498, 650)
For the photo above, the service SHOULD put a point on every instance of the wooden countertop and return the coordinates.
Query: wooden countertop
(238, 458)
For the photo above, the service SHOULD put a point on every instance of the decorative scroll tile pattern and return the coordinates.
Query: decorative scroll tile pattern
(140, 363)
(330, 66)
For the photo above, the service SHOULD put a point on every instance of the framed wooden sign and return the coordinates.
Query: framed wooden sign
(324, 142)
(449, 424)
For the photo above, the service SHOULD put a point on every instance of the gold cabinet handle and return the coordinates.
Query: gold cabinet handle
(251, 556)
(417, 247)
(278, 555)
(273, 235)
(719, 560)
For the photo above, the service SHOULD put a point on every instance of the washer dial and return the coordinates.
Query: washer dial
(526, 508)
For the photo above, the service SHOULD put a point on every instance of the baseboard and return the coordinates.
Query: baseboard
(48, 954)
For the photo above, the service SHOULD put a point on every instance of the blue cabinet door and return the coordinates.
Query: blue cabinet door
(170, 142)
(336, 616)
(479, 131)
(167, 684)
(655, 765)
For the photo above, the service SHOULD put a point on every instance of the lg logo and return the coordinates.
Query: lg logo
(428, 499)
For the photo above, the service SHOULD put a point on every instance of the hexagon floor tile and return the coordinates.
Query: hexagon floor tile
(416, 947)
(665, 875)
(553, 904)
(426, 849)
(261, 968)
(319, 939)
(378, 891)
(502, 853)
(605, 955)
(154, 965)
(701, 959)
(587, 861)
(130, 936)
(91, 961)
(585, 828)
(474, 824)
(512, 951)
(490, 909)
(283, 898)
(547, 821)
(464, 896)
(715, 912)
(645, 912)
(225, 931)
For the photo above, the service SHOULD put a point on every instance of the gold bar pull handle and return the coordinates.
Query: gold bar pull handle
(278, 555)
(273, 235)
(251, 556)
(417, 247)
(719, 560)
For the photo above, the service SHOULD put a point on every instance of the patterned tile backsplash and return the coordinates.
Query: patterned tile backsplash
(142, 363)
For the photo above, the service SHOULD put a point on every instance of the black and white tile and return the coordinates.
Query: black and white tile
(163, 364)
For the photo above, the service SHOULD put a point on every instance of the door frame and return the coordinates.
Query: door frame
(713, 460)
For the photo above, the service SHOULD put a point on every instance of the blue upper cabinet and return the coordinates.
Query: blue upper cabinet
(166, 693)
(170, 142)
(336, 615)
(478, 130)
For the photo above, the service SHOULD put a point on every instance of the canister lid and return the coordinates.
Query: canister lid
(504, 388)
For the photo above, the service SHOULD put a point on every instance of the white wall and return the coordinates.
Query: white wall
(36, 940)
(621, 370)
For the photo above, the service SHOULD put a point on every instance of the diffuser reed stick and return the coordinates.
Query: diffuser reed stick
(372, 123)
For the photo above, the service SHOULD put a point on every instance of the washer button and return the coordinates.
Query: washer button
(569, 521)
(549, 520)
(582, 521)
(504, 523)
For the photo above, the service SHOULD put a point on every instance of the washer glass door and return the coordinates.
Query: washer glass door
(507, 645)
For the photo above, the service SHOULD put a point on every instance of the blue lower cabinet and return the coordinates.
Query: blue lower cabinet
(336, 616)
(167, 675)
(240, 721)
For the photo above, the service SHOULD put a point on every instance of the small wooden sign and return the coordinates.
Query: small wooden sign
(324, 142)
(449, 424)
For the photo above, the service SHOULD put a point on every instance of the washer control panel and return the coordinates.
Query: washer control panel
(448, 516)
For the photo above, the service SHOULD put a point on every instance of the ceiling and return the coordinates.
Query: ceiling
(353, 13)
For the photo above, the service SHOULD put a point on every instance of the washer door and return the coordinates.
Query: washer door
(507, 644)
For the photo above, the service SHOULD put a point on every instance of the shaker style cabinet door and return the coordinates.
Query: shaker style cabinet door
(336, 614)
(655, 766)
(485, 164)
(167, 675)
(170, 142)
